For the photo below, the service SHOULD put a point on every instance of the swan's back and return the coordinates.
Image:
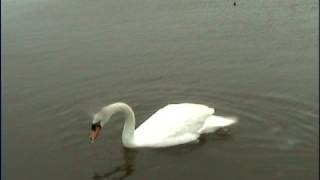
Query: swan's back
(172, 121)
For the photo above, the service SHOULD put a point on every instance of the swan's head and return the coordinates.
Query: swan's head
(95, 131)
(98, 122)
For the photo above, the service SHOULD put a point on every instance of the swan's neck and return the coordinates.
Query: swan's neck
(129, 124)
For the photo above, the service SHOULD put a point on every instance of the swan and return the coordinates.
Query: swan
(171, 125)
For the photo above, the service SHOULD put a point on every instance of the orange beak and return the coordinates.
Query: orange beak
(94, 134)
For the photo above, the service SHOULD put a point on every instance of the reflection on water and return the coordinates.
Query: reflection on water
(121, 171)
(125, 169)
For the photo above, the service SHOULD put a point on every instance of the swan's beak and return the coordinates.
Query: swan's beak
(94, 134)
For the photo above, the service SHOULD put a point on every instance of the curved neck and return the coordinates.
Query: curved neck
(129, 124)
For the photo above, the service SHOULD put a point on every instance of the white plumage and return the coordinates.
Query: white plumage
(171, 125)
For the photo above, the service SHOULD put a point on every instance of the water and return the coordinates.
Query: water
(63, 60)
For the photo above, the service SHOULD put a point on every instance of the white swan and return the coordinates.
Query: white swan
(172, 125)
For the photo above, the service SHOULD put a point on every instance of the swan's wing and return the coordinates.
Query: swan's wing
(172, 121)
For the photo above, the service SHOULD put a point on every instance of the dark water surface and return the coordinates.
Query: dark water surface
(63, 60)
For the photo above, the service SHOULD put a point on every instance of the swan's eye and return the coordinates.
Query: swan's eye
(94, 126)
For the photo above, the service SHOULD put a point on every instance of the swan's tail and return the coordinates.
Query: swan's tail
(220, 121)
(215, 122)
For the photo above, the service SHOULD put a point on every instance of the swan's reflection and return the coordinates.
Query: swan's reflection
(122, 171)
